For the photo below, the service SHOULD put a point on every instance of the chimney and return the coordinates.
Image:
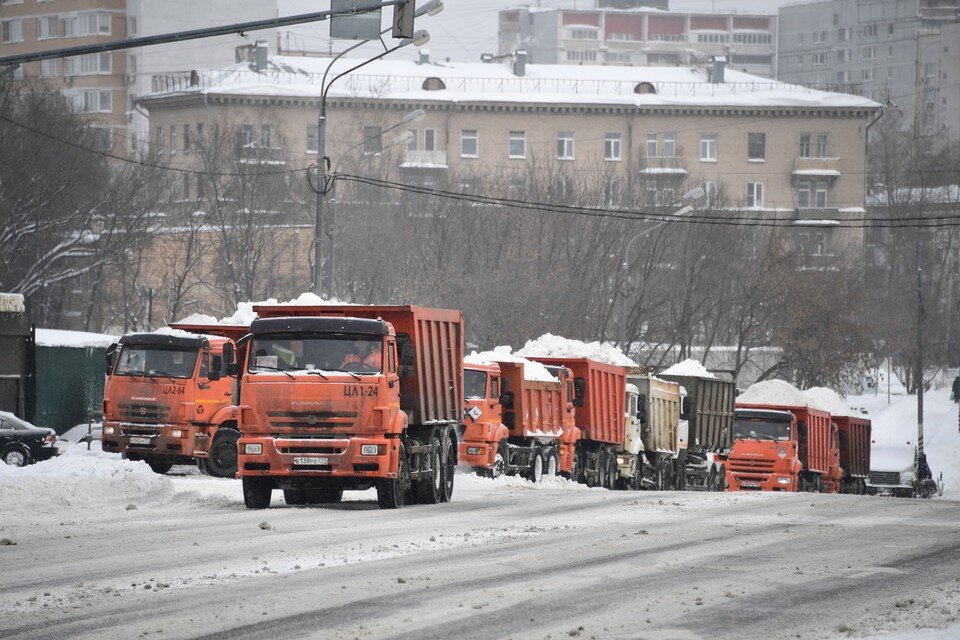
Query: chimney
(424, 56)
(716, 73)
(520, 64)
(261, 55)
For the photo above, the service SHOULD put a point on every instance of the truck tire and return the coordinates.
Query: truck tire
(16, 456)
(429, 490)
(222, 461)
(613, 470)
(575, 468)
(294, 497)
(550, 462)
(722, 479)
(392, 492)
(325, 495)
(257, 492)
(535, 472)
(448, 468)
(159, 465)
(499, 461)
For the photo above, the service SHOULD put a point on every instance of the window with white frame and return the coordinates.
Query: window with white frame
(47, 27)
(468, 143)
(803, 195)
(12, 30)
(709, 193)
(756, 146)
(611, 146)
(821, 195)
(246, 134)
(266, 136)
(752, 38)
(187, 140)
(173, 138)
(414, 141)
(653, 145)
(95, 101)
(517, 144)
(869, 31)
(868, 74)
(158, 140)
(755, 195)
(89, 23)
(712, 38)
(869, 53)
(372, 139)
(843, 77)
(844, 34)
(843, 55)
(708, 147)
(583, 33)
(311, 138)
(822, 150)
(565, 145)
(566, 188)
(820, 58)
(581, 56)
(429, 139)
(670, 145)
(49, 68)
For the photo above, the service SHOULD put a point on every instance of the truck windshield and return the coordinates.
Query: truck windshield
(761, 429)
(151, 361)
(305, 352)
(474, 384)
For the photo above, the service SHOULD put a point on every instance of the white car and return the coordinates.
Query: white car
(892, 470)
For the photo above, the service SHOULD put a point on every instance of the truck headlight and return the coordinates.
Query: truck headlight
(176, 433)
(108, 431)
(369, 449)
(474, 451)
(783, 480)
(253, 449)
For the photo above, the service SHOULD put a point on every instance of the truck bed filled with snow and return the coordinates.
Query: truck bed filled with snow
(533, 371)
(689, 367)
(551, 346)
(778, 393)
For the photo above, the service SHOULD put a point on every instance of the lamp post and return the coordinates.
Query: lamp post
(694, 195)
(323, 275)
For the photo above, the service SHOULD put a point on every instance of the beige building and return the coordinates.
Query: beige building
(771, 148)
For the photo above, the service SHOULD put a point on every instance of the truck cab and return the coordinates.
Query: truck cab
(165, 398)
(765, 451)
(484, 429)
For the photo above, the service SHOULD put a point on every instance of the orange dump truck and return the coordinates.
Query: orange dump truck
(599, 398)
(335, 398)
(167, 399)
(783, 448)
(518, 413)
(854, 436)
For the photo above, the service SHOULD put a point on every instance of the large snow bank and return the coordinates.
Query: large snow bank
(688, 367)
(533, 371)
(245, 314)
(828, 400)
(551, 346)
(776, 393)
(75, 339)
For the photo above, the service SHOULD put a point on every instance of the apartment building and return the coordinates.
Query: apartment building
(625, 34)
(106, 85)
(898, 50)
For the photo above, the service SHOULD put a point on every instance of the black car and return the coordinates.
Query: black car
(22, 443)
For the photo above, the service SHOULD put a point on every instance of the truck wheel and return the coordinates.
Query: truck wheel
(222, 462)
(257, 492)
(535, 474)
(428, 490)
(294, 497)
(550, 462)
(448, 468)
(613, 470)
(499, 461)
(391, 492)
(16, 457)
(159, 465)
(722, 479)
(574, 468)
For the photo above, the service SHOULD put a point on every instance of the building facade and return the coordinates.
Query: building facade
(106, 85)
(901, 51)
(617, 35)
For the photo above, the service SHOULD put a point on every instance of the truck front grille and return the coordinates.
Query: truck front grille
(138, 412)
(885, 477)
(750, 465)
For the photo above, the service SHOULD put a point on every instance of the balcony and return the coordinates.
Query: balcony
(816, 169)
(424, 160)
(254, 154)
(663, 166)
(816, 217)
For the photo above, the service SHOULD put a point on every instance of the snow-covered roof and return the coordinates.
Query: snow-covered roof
(399, 79)
(551, 346)
(75, 339)
(822, 173)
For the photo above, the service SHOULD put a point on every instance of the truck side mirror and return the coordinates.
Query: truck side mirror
(642, 408)
(228, 352)
(579, 391)
(685, 408)
(216, 364)
(407, 356)
(110, 357)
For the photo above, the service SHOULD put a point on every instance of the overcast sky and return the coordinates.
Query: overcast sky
(467, 28)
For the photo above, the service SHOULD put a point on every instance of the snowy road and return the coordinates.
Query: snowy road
(502, 560)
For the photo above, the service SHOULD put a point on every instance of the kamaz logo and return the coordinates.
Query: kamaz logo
(143, 411)
(312, 420)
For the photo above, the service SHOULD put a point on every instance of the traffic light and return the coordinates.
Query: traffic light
(403, 19)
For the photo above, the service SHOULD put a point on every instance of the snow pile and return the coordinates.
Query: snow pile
(775, 393)
(828, 400)
(75, 339)
(689, 367)
(533, 371)
(245, 314)
(77, 478)
(551, 346)
(179, 333)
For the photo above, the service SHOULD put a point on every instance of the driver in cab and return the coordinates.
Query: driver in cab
(367, 356)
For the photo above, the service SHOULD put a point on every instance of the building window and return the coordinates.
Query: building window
(49, 68)
(246, 134)
(611, 146)
(752, 38)
(566, 188)
(804, 145)
(94, 101)
(47, 27)
(821, 195)
(186, 138)
(429, 139)
(843, 77)
(708, 147)
(173, 138)
(709, 193)
(312, 131)
(468, 143)
(819, 37)
(12, 30)
(581, 56)
(844, 34)
(131, 27)
(265, 137)
(803, 195)
(820, 58)
(870, 31)
(414, 140)
(583, 34)
(712, 38)
(653, 148)
(90, 23)
(159, 139)
(517, 144)
(756, 146)
(869, 53)
(372, 141)
(611, 193)
(868, 74)
(186, 186)
(822, 145)
(670, 145)
(565, 145)
(755, 195)
(843, 55)
(199, 134)
(800, 39)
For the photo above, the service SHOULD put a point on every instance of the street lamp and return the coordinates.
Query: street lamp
(323, 278)
(693, 195)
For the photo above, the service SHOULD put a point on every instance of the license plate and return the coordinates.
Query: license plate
(311, 460)
(752, 485)
(140, 440)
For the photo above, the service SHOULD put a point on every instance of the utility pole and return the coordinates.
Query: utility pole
(919, 362)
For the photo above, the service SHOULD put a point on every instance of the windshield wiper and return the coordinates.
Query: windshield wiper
(318, 373)
(164, 373)
(268, 367)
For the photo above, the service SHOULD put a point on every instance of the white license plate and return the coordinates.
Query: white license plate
(751, 485)
(140, 440)
(311, 460)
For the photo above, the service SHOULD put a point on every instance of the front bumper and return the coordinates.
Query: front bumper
(479, 455)
(154, 440)
(739, 481)
(317, 457)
